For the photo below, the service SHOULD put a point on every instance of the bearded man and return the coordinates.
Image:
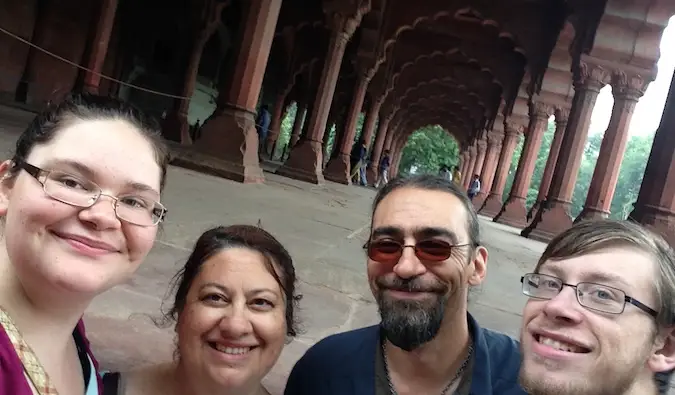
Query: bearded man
(424, 254)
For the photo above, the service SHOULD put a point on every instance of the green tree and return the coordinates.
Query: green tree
(427, 149)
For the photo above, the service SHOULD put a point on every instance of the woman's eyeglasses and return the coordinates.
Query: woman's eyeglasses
(390, 251)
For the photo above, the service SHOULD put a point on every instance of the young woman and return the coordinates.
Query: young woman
(80, 206)
(234, 310)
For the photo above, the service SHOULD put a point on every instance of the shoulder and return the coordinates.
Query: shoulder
(504, 354)
(147, 381)
(335, 349)
(326, 364)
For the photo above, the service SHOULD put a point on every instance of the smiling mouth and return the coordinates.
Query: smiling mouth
(239, 351)
(561, 346)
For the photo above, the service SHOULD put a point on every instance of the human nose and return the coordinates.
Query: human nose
(409, 265)
(236, 323)
(101, 215)
(564, 306)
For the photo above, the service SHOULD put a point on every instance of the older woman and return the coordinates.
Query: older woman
(80, 205)
(234, 310)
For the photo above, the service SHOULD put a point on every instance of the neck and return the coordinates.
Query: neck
(46, 317)
(645, 385)
(438, 359)
(190, 381)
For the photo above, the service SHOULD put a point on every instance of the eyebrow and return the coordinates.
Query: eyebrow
(592, 277)
(420, 233)
(224, 289)
(89, 173)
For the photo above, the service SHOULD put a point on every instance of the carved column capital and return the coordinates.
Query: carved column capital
(628, 85)
(514, 128)
(562, 114)
(495, 139)
(481, 145)
(540, 110)
(344, 17)
(590, 76)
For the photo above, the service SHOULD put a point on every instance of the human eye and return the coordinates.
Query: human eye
(262, 304)
(213, 299)
(137, 202)
(602, 294)
(69, 181)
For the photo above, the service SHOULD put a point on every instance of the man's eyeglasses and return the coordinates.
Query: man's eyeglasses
(76, 191)
(592, 296)
(390, 251)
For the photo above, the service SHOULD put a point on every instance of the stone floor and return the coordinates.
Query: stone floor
(323, 227)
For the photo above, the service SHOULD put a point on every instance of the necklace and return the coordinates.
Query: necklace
(459, 373)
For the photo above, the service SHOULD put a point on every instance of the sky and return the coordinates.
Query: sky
(649, 109)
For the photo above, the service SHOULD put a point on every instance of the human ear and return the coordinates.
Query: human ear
(6, 184)
(663, 351)
(479, 262)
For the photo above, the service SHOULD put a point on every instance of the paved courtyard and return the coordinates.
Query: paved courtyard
(323, 227)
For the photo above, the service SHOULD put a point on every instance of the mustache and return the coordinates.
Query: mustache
(414, 284)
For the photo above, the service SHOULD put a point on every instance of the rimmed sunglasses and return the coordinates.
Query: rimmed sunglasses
(390, 251)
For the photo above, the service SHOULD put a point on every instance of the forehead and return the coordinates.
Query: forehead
(410, 209)
(238, 266)
(112, 149)
(626, 268)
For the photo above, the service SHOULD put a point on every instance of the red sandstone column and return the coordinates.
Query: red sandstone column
(468, 174)
(561, 117)
(369, 122)
(230, 133)
(514, 211)
(627, 90)
(306, 158)
(551, 220)
(398, 152)
(493, 203)
(466, 157)
(339, 168)
(275, 124)
(297, 124)
(481, 148)
(98, 47)
(374, 167)
(494, 147)
(655, 206)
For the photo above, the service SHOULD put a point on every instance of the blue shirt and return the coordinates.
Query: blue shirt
(344, 364)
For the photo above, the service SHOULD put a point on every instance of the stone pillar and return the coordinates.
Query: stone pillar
(398, 152)
(655, 206)
(494, 147)
(275, 124)
(98, 47)
(481, 148)
(339, 169)
(230, 133)
(468, 173)
(627, 89)
(466, 157)
(305, 160)
(493, 203)
(514, 211)
(297, 124)
(374, 167)
(553, 216)
(561, 117)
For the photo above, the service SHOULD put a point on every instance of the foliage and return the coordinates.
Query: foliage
(432, 146)
(427, 149)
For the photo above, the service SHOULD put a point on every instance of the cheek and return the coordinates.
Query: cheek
(195, 322)
(139, 240)
(271, 328)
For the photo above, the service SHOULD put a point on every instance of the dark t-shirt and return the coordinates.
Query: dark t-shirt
(382, 383)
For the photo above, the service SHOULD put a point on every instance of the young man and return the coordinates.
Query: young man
(600, 315)
(423, 254)
(474, 187)
(383, 169)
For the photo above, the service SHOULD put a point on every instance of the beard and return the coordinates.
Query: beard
(408, 324)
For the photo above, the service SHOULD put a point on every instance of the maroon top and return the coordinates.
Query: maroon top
(12, 379)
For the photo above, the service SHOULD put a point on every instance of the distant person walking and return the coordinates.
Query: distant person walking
(474, 187)
(383, 170)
